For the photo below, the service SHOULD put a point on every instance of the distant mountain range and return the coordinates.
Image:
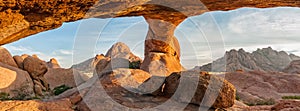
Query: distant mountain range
(265, 59)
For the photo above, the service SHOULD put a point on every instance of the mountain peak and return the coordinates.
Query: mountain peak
(265, 59)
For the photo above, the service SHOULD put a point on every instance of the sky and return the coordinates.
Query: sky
(203, 38)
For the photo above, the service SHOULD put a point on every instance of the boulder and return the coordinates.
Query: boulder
(35, 67)
(6, 58)
(207, 90)
(161, 64)
(19, 60)
(15, 81)
(53, 63)
(129, 78)
(59, 76)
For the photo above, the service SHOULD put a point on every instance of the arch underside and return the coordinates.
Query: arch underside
(19, 19)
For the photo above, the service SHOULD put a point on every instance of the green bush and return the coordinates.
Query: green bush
(134, 65)
(270, 101)
(4, 96)
(60, 89)
(291, 97)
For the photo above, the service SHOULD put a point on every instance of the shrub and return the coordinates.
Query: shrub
(60, 89)
(134, 65)
(291, 97)
(4, 96)
(270, 101)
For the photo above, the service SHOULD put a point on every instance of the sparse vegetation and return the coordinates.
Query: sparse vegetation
(291, 97)
(134, 65)
(237, 97)
(270, 101)
(22, 93)
(4, 96)
(60, 89)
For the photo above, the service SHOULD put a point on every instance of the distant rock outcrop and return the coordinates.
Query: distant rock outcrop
(89, 65)
(265, 59)
(6, 58)
(293, 68)
(253, 86)
(53, 63)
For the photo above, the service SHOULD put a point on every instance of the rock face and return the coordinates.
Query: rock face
(69, 77)
(15, 82)
(19, 60)
(89, 65)
(208, 88)
(265, 59)
(53, 63)
(254, 85)
(161, 47)
(37, 69)
(293, 68)
(6, 58)
(23, 18)
(121, 50)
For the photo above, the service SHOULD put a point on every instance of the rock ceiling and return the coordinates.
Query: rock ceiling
(21, 18)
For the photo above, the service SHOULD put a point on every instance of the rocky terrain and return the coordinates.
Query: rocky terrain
(119, 83)
(265, 59)
(119, 79)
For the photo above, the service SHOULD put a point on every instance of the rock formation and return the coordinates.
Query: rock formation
(15, 82)
(23, 18)
(6, 58)
(53, 63)
(265, 59)
(59, 76)
(293, 68)
(37, 69)
(255, 85)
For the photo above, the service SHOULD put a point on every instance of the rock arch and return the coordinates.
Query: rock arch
(19, 19)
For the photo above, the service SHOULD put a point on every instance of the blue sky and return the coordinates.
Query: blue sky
(203, 38)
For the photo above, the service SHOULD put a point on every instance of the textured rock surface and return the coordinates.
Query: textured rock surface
(121, 50)
(34, 105)
(22, 18)
(265, 59)
(287, 105)
(210, 90)
(19, 60)
(6, 58)
(37, 69)
(15, 82)
(59, 76)
(293, 68)
(254, 85)
(88, 66)
(161, 64)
